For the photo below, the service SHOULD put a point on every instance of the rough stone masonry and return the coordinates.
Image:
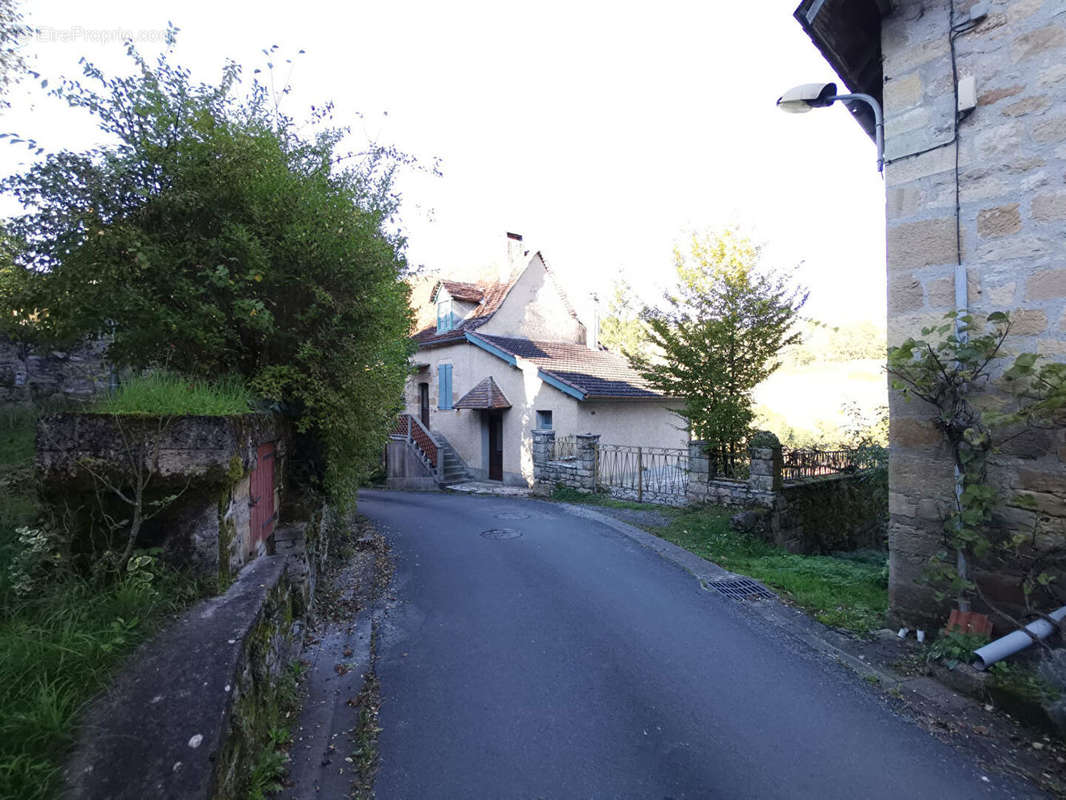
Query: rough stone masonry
(1012, 205)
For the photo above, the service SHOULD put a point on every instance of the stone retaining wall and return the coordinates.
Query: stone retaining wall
(837, 512)
(29, 375)
(182, 720)
(577, 473)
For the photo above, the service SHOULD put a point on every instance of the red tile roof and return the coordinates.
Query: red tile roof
(492, 297)
(461, 290)
(485, 396)
(598, 373)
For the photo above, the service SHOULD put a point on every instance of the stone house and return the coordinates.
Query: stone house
(509, 356)
(974, 97)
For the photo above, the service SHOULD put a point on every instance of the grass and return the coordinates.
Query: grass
(18, 497)
(56, 652)
(564, 494)
(164, 393)
(844, 590)
(59, 647)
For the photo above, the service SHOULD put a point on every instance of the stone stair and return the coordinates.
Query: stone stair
(454, 468)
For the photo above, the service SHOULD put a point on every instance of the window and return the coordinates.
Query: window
(444, 387)
(544, 420)
(445, 320)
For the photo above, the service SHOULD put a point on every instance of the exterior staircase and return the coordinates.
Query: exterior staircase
(453, 468)
(434, 453)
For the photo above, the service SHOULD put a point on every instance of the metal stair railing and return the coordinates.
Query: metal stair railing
(418, 437)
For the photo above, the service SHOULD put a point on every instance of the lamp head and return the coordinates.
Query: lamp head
(803, 98)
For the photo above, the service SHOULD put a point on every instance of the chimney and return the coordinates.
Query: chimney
(592, 330)
(515, 256)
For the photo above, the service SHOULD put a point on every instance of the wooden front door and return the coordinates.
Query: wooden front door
(495, 447)
(423, 403)
(261, 491)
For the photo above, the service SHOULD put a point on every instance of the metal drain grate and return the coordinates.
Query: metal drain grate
(742, 589)
(501, 533)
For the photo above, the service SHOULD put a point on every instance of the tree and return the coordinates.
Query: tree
(12, 35)
(720, 333)
(218, 236)
(621, 329)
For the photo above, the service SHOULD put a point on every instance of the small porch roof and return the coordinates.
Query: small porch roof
(486, 396)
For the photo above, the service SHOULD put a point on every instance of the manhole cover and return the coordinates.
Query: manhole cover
(512, 515)
(742, 589)
(501, 533)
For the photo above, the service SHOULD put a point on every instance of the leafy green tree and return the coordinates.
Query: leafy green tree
(13, 34)
(720, 334)
(621, 329)
(216, 236)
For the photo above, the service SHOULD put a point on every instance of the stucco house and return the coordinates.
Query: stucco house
(508, 356)
(974, 98)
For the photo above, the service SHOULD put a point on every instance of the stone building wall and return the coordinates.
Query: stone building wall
(1011, 158)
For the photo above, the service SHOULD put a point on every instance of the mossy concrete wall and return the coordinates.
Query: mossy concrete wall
(185, 717)
(199, 470)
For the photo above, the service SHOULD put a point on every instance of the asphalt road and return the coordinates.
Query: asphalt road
(570, 662)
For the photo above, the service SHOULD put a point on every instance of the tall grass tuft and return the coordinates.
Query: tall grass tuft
(56, 652)
(61, 645)
(166, 393)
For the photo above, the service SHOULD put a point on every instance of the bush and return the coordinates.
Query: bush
(219, 236)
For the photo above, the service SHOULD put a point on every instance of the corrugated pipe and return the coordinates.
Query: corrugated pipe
(1018, 640)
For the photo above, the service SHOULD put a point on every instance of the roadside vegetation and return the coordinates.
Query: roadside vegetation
(61, 634)
(216, 235)
(843, 590)
(166, 394)
(233, 258)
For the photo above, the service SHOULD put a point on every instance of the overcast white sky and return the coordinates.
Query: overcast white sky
(601, 131)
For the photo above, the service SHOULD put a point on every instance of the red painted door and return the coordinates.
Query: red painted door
(262, 495)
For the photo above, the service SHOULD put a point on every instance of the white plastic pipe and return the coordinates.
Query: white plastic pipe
(1018, 640)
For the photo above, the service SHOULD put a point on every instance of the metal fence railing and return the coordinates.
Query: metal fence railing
(728, 462)
(813, 463)
(643, 470)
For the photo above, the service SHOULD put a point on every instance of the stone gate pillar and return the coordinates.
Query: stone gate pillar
(699, 471)
(587, 452)
(767, 462)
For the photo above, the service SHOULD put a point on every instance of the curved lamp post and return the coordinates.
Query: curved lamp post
(803, 98)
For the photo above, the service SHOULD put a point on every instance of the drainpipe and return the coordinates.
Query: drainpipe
(962, 307)
(1018, 640)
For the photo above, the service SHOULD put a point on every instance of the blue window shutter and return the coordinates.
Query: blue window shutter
(444, 377)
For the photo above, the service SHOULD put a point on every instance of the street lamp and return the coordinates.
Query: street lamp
(803, 98)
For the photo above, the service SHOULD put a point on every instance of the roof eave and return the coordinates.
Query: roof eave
(829, 24)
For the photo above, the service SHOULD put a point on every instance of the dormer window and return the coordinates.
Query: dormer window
(445, 318)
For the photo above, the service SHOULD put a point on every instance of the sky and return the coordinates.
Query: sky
(605, 133)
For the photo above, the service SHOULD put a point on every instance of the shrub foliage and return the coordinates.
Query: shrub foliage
(217, 236)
